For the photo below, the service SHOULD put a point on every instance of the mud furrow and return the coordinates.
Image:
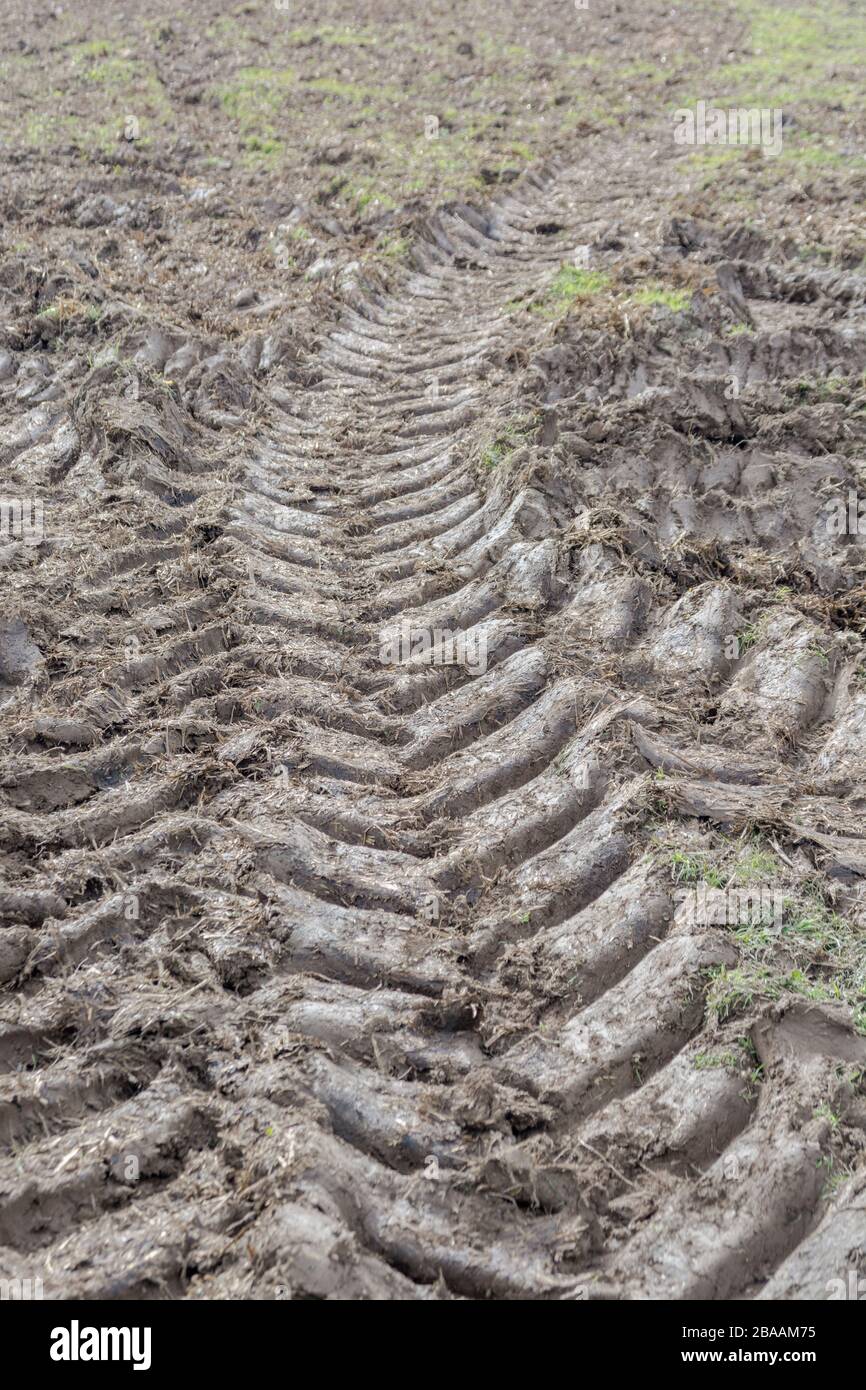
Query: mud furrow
(382, 944)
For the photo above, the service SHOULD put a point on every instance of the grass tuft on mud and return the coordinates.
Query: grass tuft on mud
(816, 954)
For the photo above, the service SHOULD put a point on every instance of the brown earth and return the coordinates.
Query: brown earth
(324, 977)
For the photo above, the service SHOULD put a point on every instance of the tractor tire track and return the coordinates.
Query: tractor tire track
(360, 980)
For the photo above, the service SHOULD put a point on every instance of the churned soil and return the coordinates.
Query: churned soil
(328, 970)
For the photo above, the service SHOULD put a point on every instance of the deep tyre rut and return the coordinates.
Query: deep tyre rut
(342, 950)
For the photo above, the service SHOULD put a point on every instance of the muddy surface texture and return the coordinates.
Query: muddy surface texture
(328, 970)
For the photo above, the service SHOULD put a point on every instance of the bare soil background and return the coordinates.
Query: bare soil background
(324, 978)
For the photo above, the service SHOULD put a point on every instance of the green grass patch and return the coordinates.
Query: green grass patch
(797, 55)
(817, 955)
(256, 92)
(114, 72)
(570, 284)
(254, 101)
(392, 247)
(94, 48)
(696, 868)
(675, 300)
(716, 1061)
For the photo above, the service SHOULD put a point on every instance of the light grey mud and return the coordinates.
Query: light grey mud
(329, 977)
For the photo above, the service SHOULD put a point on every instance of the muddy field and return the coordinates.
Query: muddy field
(432, 680)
